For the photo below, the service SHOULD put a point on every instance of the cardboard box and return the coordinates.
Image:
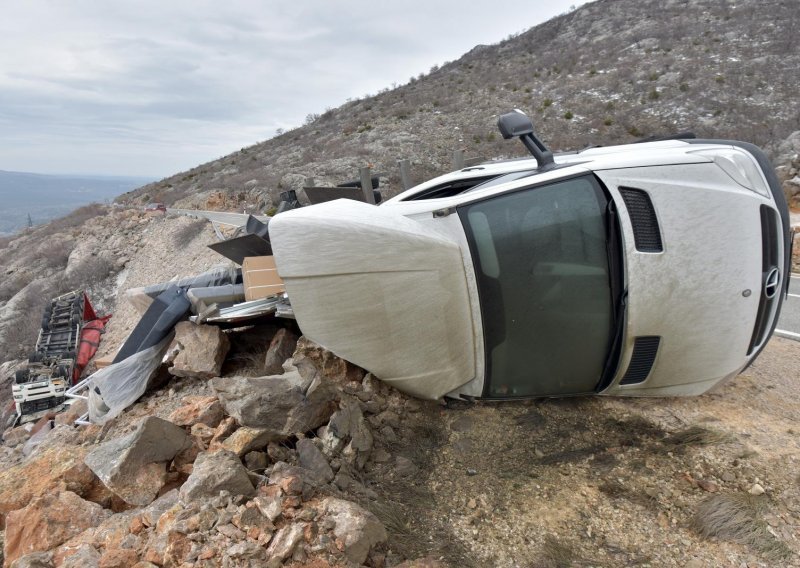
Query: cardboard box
(261, 278)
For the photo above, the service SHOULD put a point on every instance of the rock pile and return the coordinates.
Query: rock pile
(269, 471)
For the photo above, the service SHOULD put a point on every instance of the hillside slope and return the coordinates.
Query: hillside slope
(611, 71)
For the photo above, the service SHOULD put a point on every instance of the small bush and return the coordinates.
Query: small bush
(608, 122)
(547, 102)
(568, 115)
(188, 232)
(684, 87)
(654, 95)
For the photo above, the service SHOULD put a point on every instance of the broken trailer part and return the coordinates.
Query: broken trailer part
(63, 348)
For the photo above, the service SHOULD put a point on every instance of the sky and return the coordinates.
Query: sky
(151, 88)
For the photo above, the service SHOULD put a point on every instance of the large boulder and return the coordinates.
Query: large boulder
(203, 350)
(214, 472)
(49, 521)
(309, 355)
(312, 459)
(284, 405)
(50, 469)
(134, 467)
(357, 529)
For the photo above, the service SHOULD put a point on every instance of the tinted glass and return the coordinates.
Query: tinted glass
(542, 271)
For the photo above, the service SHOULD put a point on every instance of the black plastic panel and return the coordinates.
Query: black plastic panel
(645, 350)
(646, 232)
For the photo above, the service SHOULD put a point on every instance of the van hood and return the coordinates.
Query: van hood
(379, 290)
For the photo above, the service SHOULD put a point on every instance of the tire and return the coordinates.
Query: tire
(35, 358)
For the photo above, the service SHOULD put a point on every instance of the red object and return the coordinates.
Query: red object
(90, 338)
(88, 310)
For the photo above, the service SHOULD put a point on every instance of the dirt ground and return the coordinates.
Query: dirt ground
(705, 481)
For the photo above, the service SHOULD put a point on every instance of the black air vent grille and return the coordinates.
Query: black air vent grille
(646, 233)
(644, 354)
(770, 261)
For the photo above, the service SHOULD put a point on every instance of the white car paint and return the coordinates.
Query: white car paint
(393, 288)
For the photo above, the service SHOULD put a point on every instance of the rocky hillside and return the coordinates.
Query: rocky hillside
(611, 71)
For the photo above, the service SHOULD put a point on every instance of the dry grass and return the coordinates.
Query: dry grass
(697, 436)
(186, 234)
(737, 518)
(557, 553)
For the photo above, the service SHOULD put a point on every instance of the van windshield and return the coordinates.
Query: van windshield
(542, 268)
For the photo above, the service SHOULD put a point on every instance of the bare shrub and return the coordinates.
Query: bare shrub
(13, 284)
(90, 271)
(189, 232)
(19, 339)
(57, 254)
(737, 518)
(76, 218)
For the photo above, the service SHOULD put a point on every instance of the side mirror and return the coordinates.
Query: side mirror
(514, 124)
(517, 124)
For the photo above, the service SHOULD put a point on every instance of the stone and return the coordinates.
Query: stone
(334, 369)
(49, 469)
(246, 551)
(150, 514)
(277, 404)
(78, 408)
(251, 518)
(134, 466)
(422, 563)
(204, 348)
(118, 558)
(16, 436)
(198, 410)
(49, 521)
(255, 461)
(227, 427)
(280, 349)
(285, 541)
(34, 560)
(311, 458)
(348, 423)
(358, 529)
(85, 556)
(756, 489)
(269, 505)
(214, 472)
(246, 439)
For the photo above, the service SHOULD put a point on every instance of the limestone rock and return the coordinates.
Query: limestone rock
(198, 410)
(34, 560)
(280, 349)
(134, 466)
(358, 529)
(49, 521)
(311, 458)
(204, 350)
(285, 541)
(334, 369)
(86, 556)
(277, 404)
(214, 472)
(246, 439)
(118, 558)
(48, 469)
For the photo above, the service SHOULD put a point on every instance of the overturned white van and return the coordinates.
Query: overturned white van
(654, 268)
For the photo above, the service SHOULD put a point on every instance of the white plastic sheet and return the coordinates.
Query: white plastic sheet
(116, 387)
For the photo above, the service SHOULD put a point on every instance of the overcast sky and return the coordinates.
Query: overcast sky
(151, 88)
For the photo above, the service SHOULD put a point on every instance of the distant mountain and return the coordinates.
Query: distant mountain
(45, 197)
(609, 72)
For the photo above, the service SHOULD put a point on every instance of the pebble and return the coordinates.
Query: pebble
(471, 471)
(472, 503)
(728, 477)
(756, 489)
